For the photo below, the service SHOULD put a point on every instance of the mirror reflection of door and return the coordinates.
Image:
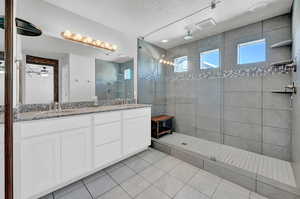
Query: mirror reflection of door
(40, 80)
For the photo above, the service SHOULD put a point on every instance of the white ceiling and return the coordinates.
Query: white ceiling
(139, 17)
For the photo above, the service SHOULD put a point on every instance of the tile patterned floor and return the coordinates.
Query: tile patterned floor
(153, 175)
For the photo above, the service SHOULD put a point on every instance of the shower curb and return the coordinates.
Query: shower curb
(261, 185)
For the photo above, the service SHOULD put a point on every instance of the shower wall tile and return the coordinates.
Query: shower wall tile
(243, 32)
(208, 123)
(277, 136)
(208, 110)
(278, 35)
(276, 82)
(243, 84)
(212, 136)
(277, 22)
(170, 108)
(242, 99)
(241, 143)
(276, 55)
(243, 115)
(207, 86)
(243, 130)
(276, 101)
(185, 119)
(277, 118)
(277, 151)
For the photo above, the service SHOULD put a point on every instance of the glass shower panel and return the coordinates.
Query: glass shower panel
(151, 77)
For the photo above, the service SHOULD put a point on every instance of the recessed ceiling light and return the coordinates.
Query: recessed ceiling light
(164, 41)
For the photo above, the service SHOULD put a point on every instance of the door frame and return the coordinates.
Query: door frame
(49, 62)
(9, 25)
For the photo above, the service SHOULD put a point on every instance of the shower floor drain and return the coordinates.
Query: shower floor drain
(184, 143)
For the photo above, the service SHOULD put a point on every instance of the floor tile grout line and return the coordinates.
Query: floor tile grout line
(136, 174)
(118, 184)
(87, 188)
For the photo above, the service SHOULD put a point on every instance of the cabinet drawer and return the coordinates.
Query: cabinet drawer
(107, 153)
(34, 128)
(106, 133)
(137, 113)
(103, 118)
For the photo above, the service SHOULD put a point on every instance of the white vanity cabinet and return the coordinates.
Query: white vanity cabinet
(51, 153)
(137, 134)
(107, 138)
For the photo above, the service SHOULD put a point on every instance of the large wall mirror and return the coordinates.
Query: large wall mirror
(52, 68)
(56, 70)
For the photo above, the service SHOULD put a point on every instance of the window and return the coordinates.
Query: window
(181, 64)
(252, 52)
(127, 74)
(210, 59)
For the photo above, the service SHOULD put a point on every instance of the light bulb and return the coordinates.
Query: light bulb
(114, 47)
(98, 42)
(89, 40)
(160, 61)
(107, 45)
(67, 34)
(77, 37)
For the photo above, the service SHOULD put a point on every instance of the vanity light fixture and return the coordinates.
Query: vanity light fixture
(162, 61)
(88, 41)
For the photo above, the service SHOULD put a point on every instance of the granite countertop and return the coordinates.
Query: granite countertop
(38, 115)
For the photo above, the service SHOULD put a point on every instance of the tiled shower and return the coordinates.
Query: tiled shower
(232, 105)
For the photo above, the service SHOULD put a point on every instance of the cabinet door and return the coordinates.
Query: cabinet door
(39, 164)
(75, 153)
(137, 134)
(81, 78)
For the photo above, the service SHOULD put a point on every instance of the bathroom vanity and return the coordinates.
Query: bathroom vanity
(53, 149)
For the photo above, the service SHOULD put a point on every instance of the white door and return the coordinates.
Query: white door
(39, 164)
(136, 134)
(75, 153)
(82, 77)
